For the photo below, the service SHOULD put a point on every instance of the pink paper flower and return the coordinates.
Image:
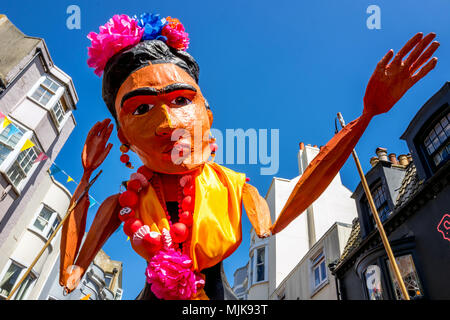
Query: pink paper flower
(176, 36)
(170, 274)
(118, 33)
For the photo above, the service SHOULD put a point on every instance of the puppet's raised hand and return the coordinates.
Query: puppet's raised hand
(390, 81)
(95, 149)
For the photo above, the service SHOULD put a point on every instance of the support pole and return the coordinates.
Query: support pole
(71, 208)
(380, 227)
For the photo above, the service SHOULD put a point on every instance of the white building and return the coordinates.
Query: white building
(34, 227)
(37, 99)
(272, 259)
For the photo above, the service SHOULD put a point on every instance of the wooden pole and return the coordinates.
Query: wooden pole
(71, 208)
(376, 217)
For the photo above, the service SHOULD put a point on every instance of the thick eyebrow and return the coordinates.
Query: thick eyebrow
(149, 91)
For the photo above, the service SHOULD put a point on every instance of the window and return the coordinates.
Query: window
(46, 222)
(11, 277)
(24, 287)
(22, 166)
(319, 270)
(251, 269)
(12, 138)
(381, 203)
(53, 226)
(410, 278)
(260, 264)
(373, 282)
(437, 142)
(9, 138)
(58, 112)
(118, 295)
(108, 279)
(45, 91)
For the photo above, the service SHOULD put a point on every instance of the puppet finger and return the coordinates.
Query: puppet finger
(424, 57)
(424, 71)
(419, 49)
(407, 47)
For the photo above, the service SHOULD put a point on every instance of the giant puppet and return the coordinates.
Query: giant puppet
(182, 211)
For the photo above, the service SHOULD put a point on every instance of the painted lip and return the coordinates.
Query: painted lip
(177, 146)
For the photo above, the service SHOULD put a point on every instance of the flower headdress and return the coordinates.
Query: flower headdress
(122, 31)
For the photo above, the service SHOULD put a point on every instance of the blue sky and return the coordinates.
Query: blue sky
(287, 65)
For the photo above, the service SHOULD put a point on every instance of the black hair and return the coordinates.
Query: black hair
(145, 53)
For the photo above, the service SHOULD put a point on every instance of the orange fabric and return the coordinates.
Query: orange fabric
(216, 231)
(257, 210)
(321, 171)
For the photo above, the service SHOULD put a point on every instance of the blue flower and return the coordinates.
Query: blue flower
(152, 25)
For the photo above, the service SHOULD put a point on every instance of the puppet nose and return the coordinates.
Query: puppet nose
(169, 124)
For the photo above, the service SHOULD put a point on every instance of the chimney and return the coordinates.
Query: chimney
(403, 159)
(393, 158)
(373, 161)
(382, 154)
(315, 146)
(302, 146)
(410, 159)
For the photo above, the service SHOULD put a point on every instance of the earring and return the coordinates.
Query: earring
(124, 158)
(213, 145)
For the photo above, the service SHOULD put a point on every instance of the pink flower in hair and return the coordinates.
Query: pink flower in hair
(118, 33)
(171, 277)
(176, 36)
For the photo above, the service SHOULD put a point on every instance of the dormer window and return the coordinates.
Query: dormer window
(437, 142)
(381, 203)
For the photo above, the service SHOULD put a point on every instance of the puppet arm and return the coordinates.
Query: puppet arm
(94, 153)
(257, 210)
(387, 85)
(105, 223)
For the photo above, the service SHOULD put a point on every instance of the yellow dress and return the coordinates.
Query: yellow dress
(216, 230)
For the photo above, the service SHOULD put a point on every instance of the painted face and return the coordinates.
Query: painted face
(162, 116)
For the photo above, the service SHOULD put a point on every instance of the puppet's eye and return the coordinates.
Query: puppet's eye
(181, 101)
(143, 108)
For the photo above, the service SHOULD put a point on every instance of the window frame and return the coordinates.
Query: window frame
(21, 274)
(45, 233)
(60, 95)
(381, 272)
(391, 276)
(12, 158)
(386, 203)
(315, 262)
(263, 264)
(253, 276)
(109, 276)
(419, 141)
(54, 93)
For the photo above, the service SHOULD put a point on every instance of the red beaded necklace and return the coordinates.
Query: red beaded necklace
(180, 232)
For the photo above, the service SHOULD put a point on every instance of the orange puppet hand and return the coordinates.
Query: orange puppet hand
(74, 276)
(389, 82)
(95, 149)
